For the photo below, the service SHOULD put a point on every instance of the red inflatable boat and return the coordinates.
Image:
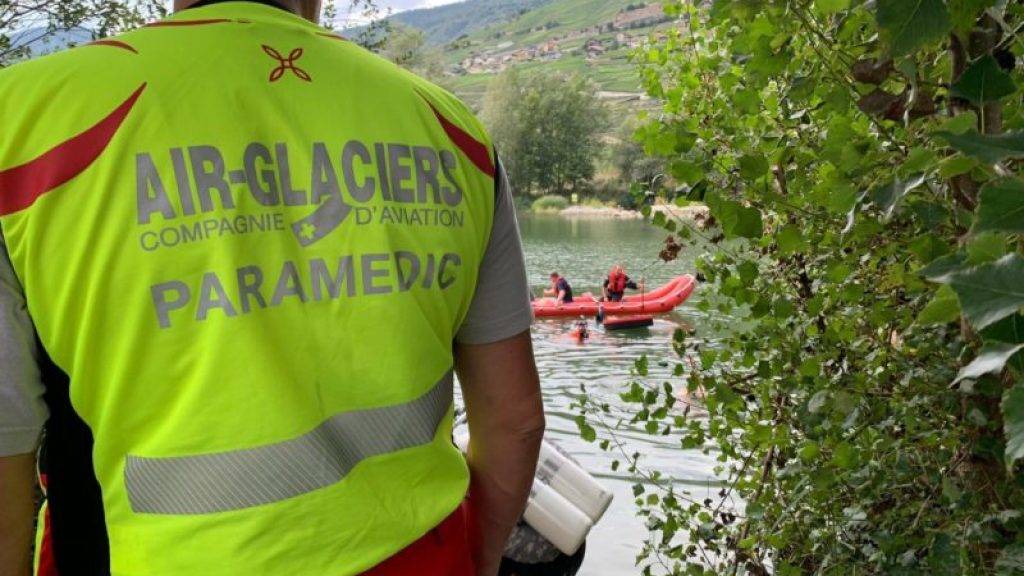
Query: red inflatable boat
(663, 299)
(628, 322)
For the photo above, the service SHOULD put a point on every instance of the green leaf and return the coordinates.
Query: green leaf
(830, 6)
(809, 451)
(790, 240)
(964, 13)
(748, 271)
(1013, 423)
(1011, 331)
(983, 82)
(845, 456)
(963, 122)
(956, 165)
(838, 272)
(753, 167)
(942, 557)
(991, 360)
(943, 308)
(888, 196)
(587, 432)
(641, 365)
(1001, 207)
(908, 25)
(986, 247)
(737, 220)
(928, 247)
(942, 269)
(918, 160)
(991, 292)
(810, 367)
(950, 491)
(687, 172)
(990, 149)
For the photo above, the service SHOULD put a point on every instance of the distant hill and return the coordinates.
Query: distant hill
(593, 38)
(479, 39)
(446, 23)
(42, 42)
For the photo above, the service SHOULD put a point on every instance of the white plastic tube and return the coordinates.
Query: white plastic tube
(565, 501)
(572, 482)
(556, 519)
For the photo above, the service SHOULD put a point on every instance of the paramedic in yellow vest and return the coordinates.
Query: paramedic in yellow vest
(243, 263)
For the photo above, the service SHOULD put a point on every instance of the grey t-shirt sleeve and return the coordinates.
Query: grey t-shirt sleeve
(22, 410)
(501, 306)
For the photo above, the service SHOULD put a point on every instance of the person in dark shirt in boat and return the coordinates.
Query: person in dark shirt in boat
(616, 283)
(560, 289)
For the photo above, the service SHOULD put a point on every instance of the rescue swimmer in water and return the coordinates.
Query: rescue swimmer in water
(581, 333)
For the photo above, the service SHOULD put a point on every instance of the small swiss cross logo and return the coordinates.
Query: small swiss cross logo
(286, 63)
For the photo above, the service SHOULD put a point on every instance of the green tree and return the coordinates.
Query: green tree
(634, 166)
(373, 35)
(407, 47)
(46, 26)
(862, 162)
(27, 24)
(547, 128)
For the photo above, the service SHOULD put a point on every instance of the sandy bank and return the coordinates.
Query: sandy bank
(697, 213)
(600, 212)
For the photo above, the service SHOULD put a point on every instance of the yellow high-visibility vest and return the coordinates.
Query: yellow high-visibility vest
(249, 244)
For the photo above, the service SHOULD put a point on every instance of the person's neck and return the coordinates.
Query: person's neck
(293, 6)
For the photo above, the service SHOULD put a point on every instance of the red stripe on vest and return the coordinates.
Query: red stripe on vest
(22, 185)
(331, 36)
(169, 23)
(477, 151)
(115, 44)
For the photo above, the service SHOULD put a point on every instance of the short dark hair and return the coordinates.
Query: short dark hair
(554, 274)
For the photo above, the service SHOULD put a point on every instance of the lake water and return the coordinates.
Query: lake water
(582, 250)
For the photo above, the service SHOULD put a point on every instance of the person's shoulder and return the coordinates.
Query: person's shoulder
(442, 101)
(46, 100)
(79, 75)
(68, 63)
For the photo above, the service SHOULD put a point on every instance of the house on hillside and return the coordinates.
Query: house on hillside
(594, 49)
(547, 47)
(648, 15)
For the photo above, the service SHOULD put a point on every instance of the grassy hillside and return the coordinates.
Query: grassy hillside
(555, 18)
(446, 23)
(590, 37)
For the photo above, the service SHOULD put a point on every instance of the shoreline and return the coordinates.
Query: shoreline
(613, 212)
(696, 213)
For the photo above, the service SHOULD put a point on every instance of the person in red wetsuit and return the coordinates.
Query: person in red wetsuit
(616, 283)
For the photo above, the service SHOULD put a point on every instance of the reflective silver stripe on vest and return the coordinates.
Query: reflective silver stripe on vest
(225, 481)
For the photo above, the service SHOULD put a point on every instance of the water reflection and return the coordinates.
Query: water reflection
(583, 251)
